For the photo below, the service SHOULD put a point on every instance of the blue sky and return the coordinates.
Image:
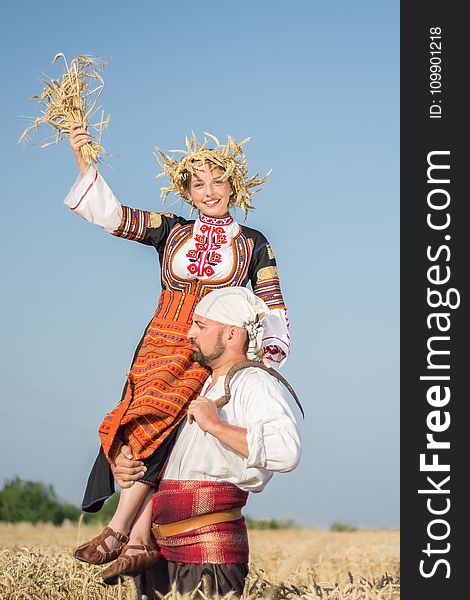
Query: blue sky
(316, 86)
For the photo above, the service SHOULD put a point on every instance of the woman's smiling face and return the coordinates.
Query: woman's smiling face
(208, 193)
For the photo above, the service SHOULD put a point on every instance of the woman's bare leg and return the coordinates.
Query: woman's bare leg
(134, 506)
(131, 503)
(140, 532)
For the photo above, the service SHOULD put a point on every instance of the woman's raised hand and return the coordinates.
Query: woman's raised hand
(262, 355)
(79, 136)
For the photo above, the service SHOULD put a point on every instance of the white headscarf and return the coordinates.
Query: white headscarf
(236, 306)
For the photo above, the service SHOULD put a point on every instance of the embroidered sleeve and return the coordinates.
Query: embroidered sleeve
(265, 282)
(276, 338)
(264, 275)
(92, 199)
(150, 228)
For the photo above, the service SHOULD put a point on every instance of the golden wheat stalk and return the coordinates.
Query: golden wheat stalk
(73, 99)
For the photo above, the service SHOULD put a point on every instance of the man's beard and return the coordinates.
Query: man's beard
(205, 359)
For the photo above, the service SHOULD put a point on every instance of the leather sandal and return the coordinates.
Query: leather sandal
(89, 552)
(131, 565)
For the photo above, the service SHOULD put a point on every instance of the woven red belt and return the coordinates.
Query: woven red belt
(217, 543)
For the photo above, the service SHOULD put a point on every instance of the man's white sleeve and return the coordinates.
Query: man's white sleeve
(272, 434)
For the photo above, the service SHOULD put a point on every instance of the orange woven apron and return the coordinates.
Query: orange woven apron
(161, 383)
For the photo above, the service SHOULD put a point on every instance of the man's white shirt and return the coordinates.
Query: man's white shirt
(259, 404)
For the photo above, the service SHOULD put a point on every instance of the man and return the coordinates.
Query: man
(220, 455)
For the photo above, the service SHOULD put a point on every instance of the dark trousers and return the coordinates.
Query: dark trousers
(213, 580)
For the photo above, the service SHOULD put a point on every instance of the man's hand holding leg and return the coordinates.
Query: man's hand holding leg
(126, 470)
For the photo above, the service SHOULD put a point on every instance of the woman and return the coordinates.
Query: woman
(196, 257)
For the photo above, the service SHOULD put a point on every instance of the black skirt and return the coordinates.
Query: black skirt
(100, 485)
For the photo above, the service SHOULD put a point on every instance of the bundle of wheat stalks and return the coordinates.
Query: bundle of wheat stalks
(73, 99)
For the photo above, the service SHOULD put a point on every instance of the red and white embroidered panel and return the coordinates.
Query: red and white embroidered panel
(208, 254)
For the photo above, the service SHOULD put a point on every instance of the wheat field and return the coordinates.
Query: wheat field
(36, 563)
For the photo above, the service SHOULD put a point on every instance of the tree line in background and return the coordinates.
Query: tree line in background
(36, 502)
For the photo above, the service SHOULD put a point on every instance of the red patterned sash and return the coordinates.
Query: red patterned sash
(221, 543)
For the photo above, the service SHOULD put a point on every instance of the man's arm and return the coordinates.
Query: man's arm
(126, 470)
(272, 435)
(204, 412)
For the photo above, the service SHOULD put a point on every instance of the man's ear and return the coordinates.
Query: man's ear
(236, 336)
